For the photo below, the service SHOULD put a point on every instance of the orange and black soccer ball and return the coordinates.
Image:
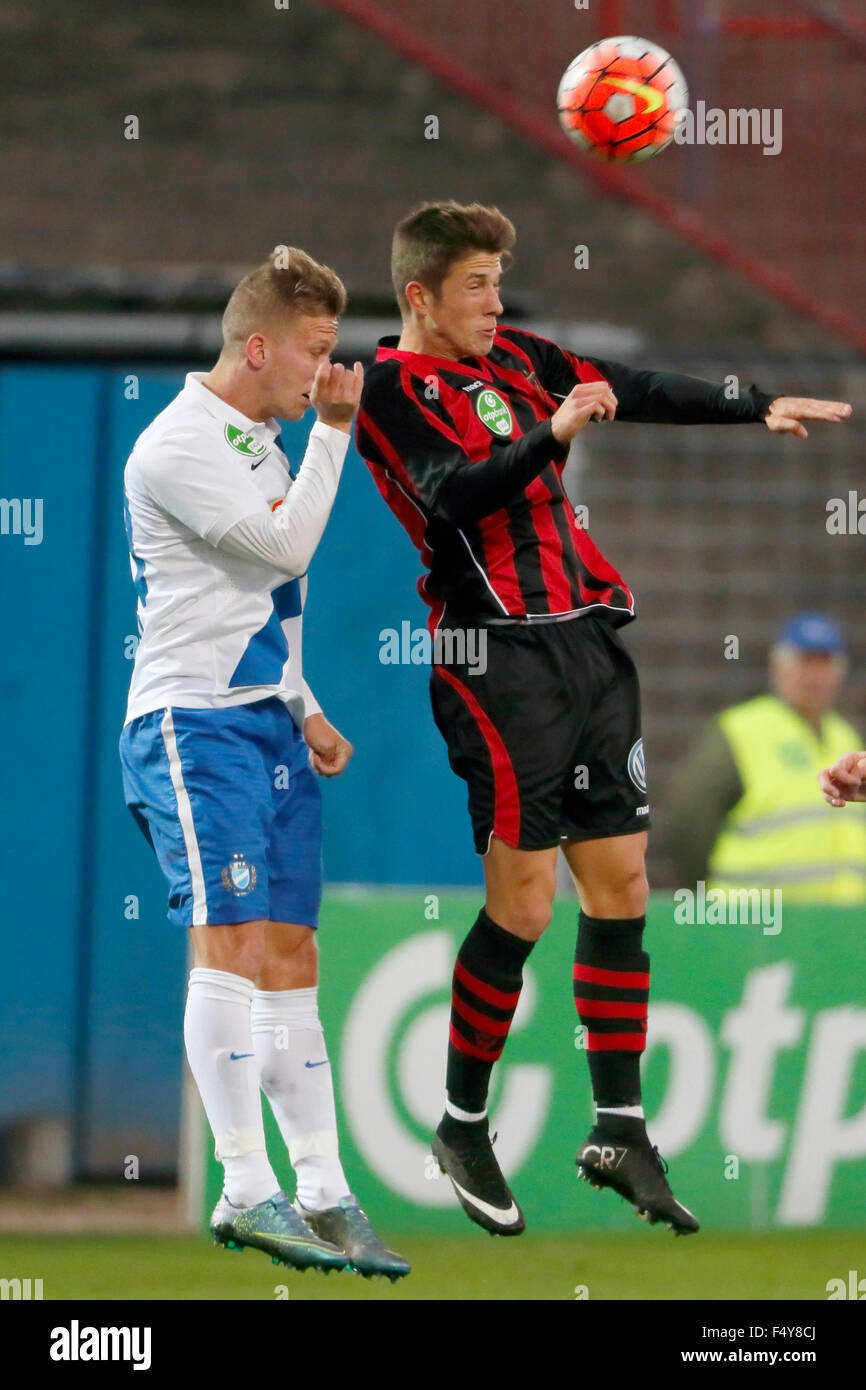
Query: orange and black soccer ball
(622, 99)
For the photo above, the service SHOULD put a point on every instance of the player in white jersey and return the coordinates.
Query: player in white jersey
(221, 737)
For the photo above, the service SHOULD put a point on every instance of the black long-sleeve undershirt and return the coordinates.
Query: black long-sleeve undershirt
(672, 398)
(470, 491)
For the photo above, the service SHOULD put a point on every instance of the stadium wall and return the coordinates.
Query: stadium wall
(754, 1075)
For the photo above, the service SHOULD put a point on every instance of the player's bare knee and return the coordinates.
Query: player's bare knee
(238, 950)
(291, 959)
(623, 894)
(635, 897)
(528, 914)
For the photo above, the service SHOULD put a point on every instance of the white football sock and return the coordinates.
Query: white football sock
(219, 1048)
(296, 1077)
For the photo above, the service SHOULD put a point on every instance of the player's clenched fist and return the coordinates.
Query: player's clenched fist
(336, 393)
(591, 400)
(329, 751)
(845, 780)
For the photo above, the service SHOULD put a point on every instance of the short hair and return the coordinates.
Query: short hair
(288, 285)
(434, 235)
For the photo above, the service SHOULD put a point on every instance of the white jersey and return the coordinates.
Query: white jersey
(220, 539)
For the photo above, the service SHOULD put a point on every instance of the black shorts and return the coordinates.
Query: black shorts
(548, 736)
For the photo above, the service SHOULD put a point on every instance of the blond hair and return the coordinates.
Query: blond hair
(288, 285)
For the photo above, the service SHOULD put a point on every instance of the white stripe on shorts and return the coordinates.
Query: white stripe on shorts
(184, 811)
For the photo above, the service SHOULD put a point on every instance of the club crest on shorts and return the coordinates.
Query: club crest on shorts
(637, 766)
(239, 877)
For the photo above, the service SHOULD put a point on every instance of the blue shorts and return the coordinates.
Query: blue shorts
(230, 804)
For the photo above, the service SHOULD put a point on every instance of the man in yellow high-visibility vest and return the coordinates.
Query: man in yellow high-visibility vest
(743, 810)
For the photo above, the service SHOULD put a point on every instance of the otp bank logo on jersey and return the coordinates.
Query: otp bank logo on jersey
(244, 443)
(392, 1070)
(494, 413)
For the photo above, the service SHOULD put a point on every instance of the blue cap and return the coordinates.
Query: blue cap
(812, 632)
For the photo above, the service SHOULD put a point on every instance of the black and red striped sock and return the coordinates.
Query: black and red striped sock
(611, 991)
(488, 974)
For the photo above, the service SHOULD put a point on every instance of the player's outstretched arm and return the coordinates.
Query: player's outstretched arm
(845, 780)
(786, 414)
(654, 397)
(672, 398)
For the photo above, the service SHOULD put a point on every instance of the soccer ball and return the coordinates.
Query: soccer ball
(622, 99)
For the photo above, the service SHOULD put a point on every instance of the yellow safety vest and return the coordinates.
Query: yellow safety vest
(781, 833)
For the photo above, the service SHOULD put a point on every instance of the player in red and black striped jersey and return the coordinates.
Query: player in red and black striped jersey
(463, 453)
(500, 539)
(466, 426)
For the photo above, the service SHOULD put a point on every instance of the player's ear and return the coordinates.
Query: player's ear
(254, 351)
(418, 297)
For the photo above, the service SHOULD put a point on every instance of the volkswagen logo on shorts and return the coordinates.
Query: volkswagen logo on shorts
(637, 766)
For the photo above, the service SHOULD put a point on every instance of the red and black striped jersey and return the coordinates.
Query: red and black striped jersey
(463, 453)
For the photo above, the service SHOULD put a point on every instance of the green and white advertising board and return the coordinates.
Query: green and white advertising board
(754, 1074)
